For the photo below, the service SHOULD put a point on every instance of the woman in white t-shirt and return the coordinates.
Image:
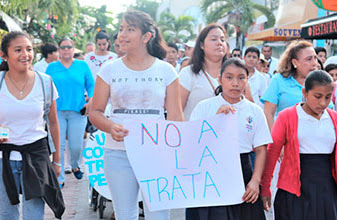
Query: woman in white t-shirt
(96, 59)
(24, 153)
(199, 80)
(139, 85)
(253, 132)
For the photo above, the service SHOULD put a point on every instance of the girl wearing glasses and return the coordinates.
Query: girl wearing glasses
(72, 79)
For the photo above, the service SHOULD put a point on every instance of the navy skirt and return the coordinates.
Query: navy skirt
(318, 198)
(243, 211)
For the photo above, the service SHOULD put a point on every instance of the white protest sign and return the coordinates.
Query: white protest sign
(94, 163)
(186, 164)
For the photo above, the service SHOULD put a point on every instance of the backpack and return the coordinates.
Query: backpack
(48, 93)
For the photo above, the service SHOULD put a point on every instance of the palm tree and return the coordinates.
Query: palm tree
(176, 29)
(240, 13)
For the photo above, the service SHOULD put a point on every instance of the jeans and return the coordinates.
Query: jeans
(31, 209)
(72, 124)
(124, 188)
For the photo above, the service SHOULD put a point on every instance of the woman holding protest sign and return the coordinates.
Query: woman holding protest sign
(253, 133)
(25, 165)
(140, 85)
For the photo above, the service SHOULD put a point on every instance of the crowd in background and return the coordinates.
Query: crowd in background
(285, 108)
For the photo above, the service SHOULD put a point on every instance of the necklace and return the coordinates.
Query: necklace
(20, 90)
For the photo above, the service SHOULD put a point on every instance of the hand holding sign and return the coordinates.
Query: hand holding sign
(118, 132)
(186, 164)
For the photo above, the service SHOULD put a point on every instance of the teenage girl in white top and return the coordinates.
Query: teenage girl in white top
(139, 85)
(22, 111)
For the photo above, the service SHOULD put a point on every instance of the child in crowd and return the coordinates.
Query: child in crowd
(263, 67)
(332, 70)
(307, 179)
(254, 133)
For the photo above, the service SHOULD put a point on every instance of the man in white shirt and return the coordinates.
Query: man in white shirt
(267, 51)
(256, 80)
(172, 56)
(50, 54)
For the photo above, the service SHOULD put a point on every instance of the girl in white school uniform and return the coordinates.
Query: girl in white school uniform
(254, 133)
(307, 187)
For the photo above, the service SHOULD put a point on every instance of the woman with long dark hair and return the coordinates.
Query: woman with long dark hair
(139, 85)
(24, 151)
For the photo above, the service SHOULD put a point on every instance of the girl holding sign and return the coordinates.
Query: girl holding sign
(139, 85)
(253, 133)
(307, 180)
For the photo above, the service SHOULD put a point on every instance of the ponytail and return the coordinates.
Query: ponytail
(4, 66)
(218, 90)
(156, 45)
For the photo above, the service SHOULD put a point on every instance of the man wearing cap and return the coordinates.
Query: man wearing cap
(189, 47)
(273, 62)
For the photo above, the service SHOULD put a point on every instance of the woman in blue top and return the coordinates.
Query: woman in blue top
(285, 88)
(72, 78)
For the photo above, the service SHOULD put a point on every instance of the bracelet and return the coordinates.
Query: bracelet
(57, 164)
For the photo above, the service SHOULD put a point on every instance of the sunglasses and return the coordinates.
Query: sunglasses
(64, 47)
(236, 55)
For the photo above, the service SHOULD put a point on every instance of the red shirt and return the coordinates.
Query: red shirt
(284, 133)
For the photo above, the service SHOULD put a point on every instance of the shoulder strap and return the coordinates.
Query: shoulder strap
(47, 90)
(209, 80)
(2, 78)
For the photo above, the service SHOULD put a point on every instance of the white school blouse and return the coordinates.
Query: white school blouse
(315, 136)
(252, 124)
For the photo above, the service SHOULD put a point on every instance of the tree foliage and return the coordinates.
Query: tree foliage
(241, 13)
(148, 6)
(176, 29)
(44, 19)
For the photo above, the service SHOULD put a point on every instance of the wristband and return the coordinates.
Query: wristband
(57, 164)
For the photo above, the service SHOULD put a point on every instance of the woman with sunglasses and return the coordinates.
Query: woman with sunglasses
(72, 79)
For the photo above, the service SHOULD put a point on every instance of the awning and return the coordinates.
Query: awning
(290, 16)
(282, 33)
(320, 28)
(11, 25)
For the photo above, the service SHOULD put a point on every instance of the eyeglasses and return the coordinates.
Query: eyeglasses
(64, 47)
(236, 55)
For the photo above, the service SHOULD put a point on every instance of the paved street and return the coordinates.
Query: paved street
(75, 195)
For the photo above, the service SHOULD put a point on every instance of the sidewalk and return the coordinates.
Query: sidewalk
(75, 195)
